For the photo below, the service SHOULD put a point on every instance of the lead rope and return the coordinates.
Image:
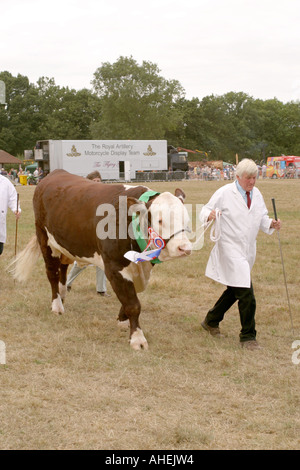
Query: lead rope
(215, 231)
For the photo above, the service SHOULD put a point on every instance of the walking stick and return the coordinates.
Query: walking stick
(284, 276)
(16, 235)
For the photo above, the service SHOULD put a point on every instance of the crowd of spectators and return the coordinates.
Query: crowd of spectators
(208, 173)
(14, 175)
(197, 172)
(228, 172)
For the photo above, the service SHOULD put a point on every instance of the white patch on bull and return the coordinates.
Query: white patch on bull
(139, 274)
(58, 250)
(138, 340)
(127, 187)
(126, 274)
(169, 216)
(57, 305)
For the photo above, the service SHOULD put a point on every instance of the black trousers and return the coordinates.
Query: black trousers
(246, 306)
(1, 248)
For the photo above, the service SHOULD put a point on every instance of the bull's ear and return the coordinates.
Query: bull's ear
(135, 205)
(129, 201)
(132, 200)
(125, 206)
(180, 194)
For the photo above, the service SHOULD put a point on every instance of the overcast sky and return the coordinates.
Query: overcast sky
(209, 46)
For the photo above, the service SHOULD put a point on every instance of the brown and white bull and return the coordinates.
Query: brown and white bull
(79, 220)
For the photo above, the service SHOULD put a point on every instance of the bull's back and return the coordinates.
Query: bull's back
(62, 195)
(66, 204)
(74, 195)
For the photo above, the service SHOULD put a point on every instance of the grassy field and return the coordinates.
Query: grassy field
(73, 382)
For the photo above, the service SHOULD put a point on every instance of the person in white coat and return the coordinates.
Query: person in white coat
(8, 199)
(242, 214)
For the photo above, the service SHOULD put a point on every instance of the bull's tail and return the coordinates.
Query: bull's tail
(24, 262)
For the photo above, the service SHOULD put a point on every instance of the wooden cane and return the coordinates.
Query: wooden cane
(283, 269)
(16, 236)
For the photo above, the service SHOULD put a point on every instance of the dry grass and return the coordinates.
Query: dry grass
(72, 382)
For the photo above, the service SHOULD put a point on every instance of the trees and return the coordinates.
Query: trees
(132, 101)
(237, 123)
(43, 111)
(65, 114)
(137, 103)
(217, 124)
(17, 125)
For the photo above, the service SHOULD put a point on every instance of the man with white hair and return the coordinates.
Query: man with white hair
(242, 213)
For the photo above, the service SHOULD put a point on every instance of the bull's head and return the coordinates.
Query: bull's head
(169, 218)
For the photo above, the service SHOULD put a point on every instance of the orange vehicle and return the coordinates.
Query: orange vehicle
(283, 167)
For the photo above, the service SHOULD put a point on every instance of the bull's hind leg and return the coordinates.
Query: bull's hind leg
(130, 309)
(63, 280)
(52, 269)
(64, 264)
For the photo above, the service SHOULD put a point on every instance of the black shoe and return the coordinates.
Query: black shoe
(103, 294)
(69, 288)
(214, 331)
(252, 345)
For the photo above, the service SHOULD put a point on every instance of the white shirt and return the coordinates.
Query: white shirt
(8, 199)
(243, 191)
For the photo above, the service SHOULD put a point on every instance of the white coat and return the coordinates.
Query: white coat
(233, 255)
(8, 199)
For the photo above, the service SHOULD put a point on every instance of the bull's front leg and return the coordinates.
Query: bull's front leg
(137, 338)
(130, 309)
(123, 321)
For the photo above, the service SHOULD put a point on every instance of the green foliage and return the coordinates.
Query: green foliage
(137, 103)
(43, 111)
(132, 101)
(237, 123)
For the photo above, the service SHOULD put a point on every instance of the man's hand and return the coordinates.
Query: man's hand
(276, 224)
(212, 215)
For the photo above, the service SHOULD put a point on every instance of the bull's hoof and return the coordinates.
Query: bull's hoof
(57, 306)
(138, 340)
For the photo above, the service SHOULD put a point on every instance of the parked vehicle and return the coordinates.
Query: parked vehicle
(283, 167)
(177, 160)
(115, 159)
